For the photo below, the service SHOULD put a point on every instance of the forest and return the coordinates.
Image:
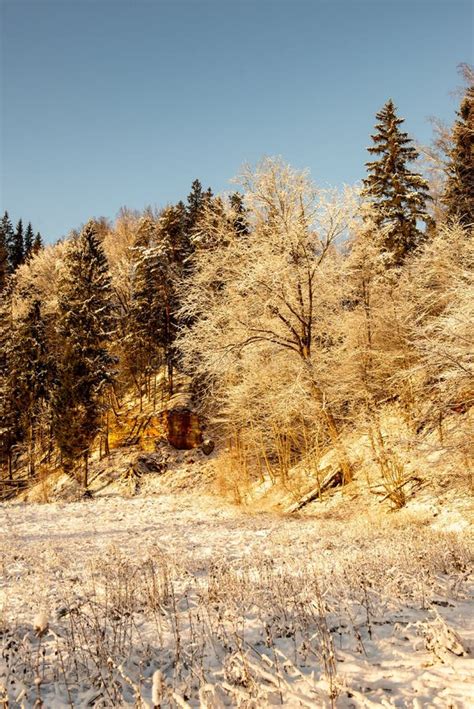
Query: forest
(303, 537)
(296, 313)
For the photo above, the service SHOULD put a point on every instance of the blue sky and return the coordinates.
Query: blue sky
(106, 103)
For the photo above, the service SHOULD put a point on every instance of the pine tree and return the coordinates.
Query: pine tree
(459, 192)
(85, 368)
(28, 241)
(398, 195)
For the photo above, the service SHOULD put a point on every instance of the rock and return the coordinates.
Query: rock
(183, 430)
(208, 446)
(145, 464)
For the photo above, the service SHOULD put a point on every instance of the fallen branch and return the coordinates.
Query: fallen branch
(334, 479)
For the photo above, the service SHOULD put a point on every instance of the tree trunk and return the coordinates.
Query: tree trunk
(106, 441)
(32, 450)
(170, 374)
(333, 431)
(86, 469)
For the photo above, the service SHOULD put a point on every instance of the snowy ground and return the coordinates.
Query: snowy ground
(183, 600)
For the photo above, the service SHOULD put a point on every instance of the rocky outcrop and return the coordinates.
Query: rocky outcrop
(183, 430)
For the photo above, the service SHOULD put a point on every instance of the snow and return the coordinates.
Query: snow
(187, 600)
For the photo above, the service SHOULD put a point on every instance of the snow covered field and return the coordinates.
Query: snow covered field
(184, 600)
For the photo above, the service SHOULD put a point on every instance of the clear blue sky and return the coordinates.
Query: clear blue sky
(107, 103)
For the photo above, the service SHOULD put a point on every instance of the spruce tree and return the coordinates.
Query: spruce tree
(459, 192)
(10, 427)
(7, 236)
(37, 243)
(30, 369)
(28, 241)
(240, 222)
(398, 195)
(150, 330)
(3, 262)
(85, 368)
(17, 248)
(197, 201)
(172, 231)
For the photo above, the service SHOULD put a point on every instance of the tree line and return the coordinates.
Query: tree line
(297, 312)
(16, 246)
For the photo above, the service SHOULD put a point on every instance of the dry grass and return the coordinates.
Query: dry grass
(262, 630)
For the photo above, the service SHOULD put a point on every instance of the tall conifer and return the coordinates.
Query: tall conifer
(37, 243)
(31, 370)
(7, 236)
(397, 194)
(85, 368)
(459, 193)
(3, 262)
(10, 428)
(17, 249)
(28, 241)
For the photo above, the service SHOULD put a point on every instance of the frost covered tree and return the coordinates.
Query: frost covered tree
(240, 222)
(459, 192)
(262, 308)
(397, 194)
(439, 293)
(85, 366)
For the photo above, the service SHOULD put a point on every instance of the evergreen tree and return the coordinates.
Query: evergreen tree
(10, 428)
(28, 241)
(37, 243)
(172, 231)
(3, 262)
(17, 249)
(459, 192)
(197, 201)
(398, 195)
(151, 322)
(241, 225)
(7, 236)
(85, 325)
(30, 370)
